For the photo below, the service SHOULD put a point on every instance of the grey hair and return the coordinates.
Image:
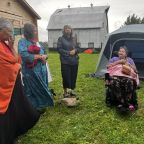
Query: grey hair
(4, 23)
(125, 48)
(29, 31)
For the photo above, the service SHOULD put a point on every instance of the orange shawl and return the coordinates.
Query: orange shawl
(9, 68)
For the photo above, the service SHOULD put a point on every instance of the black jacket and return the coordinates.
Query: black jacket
(64, 46)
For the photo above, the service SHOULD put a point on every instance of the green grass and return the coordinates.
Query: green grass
(89, 123)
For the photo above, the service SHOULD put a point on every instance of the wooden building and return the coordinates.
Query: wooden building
(18, 12)
(90, 25)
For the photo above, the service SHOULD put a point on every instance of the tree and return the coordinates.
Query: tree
(134, 19)
(142, 21)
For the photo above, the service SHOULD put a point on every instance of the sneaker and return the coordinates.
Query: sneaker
(66, 95)
(72, 93)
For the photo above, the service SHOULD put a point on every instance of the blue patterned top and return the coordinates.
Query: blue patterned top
(35, 79)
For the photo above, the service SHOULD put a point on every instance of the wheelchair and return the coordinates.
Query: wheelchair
(121, 93)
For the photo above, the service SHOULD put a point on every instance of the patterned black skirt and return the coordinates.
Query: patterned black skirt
(19, 117)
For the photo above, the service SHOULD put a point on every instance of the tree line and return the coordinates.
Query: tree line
(134, 19)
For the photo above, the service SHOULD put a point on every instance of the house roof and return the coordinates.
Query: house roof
(29, 8)
(81, 17)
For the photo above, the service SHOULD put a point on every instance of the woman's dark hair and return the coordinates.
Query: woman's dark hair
(29, 31)
(125, 48)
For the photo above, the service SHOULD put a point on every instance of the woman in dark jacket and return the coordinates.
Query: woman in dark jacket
(69, 58)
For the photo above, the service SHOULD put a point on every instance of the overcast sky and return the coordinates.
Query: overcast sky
(117, 14)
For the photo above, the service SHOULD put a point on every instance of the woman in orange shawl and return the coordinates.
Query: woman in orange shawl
(16, 113)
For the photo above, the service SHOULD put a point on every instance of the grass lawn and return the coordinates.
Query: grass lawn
(91, 122)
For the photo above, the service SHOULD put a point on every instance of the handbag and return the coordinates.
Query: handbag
(126, 69)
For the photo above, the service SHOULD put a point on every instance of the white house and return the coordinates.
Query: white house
(90, 25)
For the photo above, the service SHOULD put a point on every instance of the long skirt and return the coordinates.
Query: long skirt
(19, 117)
(123, 91)
(37, 91)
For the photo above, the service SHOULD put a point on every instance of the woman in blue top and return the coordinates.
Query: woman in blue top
(34, 69)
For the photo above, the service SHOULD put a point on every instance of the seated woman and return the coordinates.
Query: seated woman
(122, 80)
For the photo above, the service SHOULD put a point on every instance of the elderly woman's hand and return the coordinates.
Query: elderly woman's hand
(72, 52)
(44, 57)
(133, 67)
(122, 61)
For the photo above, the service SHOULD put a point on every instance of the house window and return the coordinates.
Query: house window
(22, 31)
(18, 31)
(91, 45)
